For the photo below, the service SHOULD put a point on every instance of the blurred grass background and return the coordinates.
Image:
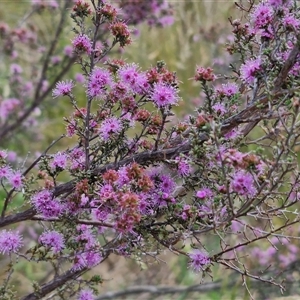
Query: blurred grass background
(198, 37)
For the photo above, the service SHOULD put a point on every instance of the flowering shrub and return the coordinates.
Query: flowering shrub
(158, 187)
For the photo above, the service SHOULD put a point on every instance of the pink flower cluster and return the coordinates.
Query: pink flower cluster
(10, 241)
(52, 239)
(98, 81)
(108, 127)
(250, 69)
(14, 178)
(82, 43)
(199, 260)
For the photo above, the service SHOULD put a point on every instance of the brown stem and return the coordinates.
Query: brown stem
(55, 283)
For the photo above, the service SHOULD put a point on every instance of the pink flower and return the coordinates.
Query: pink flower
(45, 204)
(55, 60)
(164, 95)
(110, 126)
(166, 21)
(45, 85)
(267, 32)
(71, 128)
(27, 88)
(77, 159)
(157, 13)
(232, 134)
(276, 3)
(53, 240)
(3, 154)
(199, 260)
(250, 69)
(8, 106)
(262, 15)
(15, 179)
(79, 78)
(5, 172)
(219, 108)
(53, 4)
(128, 74)
(10, 241)
(87, 259)
(84, 200)
(59, 161)
(243, 184)
(132, 78)
(183, 166)
(68, 51)
(98, 81)
(86, 237)
(204, 193)
(86, 295)
(63, 88)
(15, 69)
(228, 89)
(123, 177)
(82, 43)
(290, 21)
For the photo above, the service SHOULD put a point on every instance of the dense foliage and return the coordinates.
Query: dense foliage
(136, 181)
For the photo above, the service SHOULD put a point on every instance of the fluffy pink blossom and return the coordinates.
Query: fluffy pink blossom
(262, 15)
(243, 184)
(53, 4)
(68, 51)
(250, 69)
(228, 89)
(5, 172)
(87, 259)
(291, 22)
(164, 95)
(183, 166)
(15, 69)
(156, 12)
(204, 193)
(199, 260)
(276, 3)
(52, 239)
(79, 78)
(3, 154)
(55, 60)
(15, 179)
(8, 106)
(63, 88)
(27, 88)
(110, 126)
(45, 204)
(77, 159)
(98, 81)
(219, 108)
(82, 43)
(59, 161)
(133, 78)
(10, 241)
(86, 295)
(232, 134)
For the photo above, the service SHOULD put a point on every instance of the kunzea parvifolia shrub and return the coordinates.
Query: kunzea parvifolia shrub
(137, 181)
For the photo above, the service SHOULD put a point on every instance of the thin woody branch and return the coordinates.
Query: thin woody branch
(55, 283)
